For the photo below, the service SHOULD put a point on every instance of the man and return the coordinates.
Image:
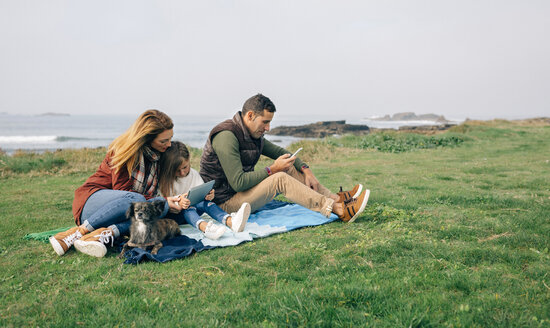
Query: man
(234, 147)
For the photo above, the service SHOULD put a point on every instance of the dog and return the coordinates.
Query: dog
(147, 229)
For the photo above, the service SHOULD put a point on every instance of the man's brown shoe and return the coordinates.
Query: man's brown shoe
(353, 193)
(62, 241)
(94, 243)
(354, 206)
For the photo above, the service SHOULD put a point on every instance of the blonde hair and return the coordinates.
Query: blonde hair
(171, 160)
(126, 148)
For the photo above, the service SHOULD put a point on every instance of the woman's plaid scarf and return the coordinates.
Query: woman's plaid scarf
(146, 183)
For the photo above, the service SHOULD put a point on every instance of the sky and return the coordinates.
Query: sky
(462, 59)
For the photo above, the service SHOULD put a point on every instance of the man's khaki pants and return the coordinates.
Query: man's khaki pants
(291, 185)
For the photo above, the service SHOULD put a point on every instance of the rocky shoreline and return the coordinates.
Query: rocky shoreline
(329, 128)
(320, 129)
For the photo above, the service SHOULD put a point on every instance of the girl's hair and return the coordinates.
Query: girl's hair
(170, 161)
(126, 149)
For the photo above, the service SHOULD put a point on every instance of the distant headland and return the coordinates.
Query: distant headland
(53, 114)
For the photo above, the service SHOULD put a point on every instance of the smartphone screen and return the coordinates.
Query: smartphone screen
(296, 152)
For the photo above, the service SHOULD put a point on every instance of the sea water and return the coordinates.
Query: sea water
(49, 133)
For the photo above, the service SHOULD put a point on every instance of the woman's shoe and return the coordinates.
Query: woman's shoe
(94, 243)
(62, 241)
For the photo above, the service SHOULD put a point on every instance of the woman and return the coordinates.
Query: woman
(129, 173)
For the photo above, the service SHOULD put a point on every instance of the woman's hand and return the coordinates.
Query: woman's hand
(210, 195)
(173, 204)
(184, 202)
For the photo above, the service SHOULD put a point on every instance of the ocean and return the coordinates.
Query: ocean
(49, 133)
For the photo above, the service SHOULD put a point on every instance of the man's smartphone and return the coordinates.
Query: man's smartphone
(296, 152)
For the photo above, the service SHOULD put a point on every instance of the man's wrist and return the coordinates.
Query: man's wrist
(304, 168)
(268, 170)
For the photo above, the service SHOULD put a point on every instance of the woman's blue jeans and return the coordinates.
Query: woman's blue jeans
(192, 215)
(107, 208)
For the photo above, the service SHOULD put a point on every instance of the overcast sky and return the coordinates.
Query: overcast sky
(464, 58)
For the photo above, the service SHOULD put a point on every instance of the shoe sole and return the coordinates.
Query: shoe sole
(358, 191)
(245, 210)
(56, 246)
(213, 237)
(365, 200)
(92, 248)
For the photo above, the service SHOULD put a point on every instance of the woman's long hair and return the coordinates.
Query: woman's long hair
(125, 150)
(170, 161)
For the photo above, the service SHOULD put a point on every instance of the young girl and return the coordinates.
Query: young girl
(177, 178)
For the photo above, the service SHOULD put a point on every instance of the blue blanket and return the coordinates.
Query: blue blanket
(275, 217)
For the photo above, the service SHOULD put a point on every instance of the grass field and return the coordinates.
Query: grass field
(456, 234)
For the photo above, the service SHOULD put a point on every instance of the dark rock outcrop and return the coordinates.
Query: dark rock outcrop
(320, 129)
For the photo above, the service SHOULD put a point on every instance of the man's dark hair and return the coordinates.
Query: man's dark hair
(257, 104)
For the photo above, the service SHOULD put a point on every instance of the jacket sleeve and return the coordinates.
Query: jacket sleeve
(226, 146)
(120, 180)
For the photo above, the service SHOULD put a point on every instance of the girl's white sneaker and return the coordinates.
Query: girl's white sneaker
(214, 231)
(239, 219)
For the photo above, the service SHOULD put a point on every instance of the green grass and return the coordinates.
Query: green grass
(453, 236)
(395, 142)
(26, 162)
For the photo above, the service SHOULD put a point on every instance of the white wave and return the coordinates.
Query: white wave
(27, 139)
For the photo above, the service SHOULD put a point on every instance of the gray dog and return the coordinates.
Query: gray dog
(147, 228)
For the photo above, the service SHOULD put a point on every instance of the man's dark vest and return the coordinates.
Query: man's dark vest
(250, 150)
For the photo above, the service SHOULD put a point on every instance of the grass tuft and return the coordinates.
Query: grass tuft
(22, 162)
(395, 142)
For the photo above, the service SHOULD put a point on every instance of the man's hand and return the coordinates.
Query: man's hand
(210, 195)
(310, 179)
(173, 204)
(282, 163)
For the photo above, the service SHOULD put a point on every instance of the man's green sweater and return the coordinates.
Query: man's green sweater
(226, 146)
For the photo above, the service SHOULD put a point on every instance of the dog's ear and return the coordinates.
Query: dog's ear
(130, 211)
(159, 205)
